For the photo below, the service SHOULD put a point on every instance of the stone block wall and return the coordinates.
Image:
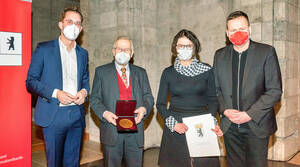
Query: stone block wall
(45, 17)
(286, 41)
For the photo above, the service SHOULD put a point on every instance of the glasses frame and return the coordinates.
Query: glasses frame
(180, 46)
(71, 22)
(126, 50)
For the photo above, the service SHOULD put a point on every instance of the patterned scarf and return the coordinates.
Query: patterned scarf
(193, 69)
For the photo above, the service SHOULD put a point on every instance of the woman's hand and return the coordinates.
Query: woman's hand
(218, 130)
(180, 128)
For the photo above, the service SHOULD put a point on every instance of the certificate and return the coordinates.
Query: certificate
(201, 140)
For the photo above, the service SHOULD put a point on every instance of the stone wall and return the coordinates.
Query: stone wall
(152, 25)
(286, 41)
(45, 17)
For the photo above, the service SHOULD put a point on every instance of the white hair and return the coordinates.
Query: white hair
(124, 38)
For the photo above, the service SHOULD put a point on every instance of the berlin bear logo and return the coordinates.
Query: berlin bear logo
(11, 43)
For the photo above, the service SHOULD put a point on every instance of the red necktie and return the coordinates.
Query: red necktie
(124, 77)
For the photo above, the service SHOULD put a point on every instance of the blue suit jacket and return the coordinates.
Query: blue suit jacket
(45, 75)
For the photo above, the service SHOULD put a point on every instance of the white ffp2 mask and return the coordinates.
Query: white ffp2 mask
(184, 53)
(122, 58)
(71, 32)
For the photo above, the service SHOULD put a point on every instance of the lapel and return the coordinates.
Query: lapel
(133, 81)
(249, 62)
(112, 71)
(79, 66)
(228, 67)
(59, 65)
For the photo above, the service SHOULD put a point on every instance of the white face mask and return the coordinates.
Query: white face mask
(122, 58)
(71, 32)
(184, 53)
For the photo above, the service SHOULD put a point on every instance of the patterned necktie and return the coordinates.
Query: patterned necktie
(124, 77)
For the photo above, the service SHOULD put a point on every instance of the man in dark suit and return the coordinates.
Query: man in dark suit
(248, 82)
(59, 75)
(121, 80)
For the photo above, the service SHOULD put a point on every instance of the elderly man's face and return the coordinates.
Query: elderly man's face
(122, 45)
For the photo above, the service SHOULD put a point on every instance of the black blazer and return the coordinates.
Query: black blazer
(261, 85)
(105, 93)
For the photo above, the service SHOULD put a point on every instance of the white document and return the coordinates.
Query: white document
(201, 140)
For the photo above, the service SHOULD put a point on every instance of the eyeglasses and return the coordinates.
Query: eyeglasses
(180, 46)
(71, 22)
(127, 50)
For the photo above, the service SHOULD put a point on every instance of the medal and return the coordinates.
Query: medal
(125, 123)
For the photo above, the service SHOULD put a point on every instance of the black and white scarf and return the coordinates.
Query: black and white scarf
(193, 69)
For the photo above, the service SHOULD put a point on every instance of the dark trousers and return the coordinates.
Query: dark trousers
(63, 138)
(245, 149)
(126, 147)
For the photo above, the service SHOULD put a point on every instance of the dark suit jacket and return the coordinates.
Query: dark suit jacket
(45, 75)
(105, 93)
(261, 86)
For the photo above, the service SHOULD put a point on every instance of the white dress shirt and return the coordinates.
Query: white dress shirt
(119, 67)
(69, 71)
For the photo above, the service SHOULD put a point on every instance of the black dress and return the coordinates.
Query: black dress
(189, 96)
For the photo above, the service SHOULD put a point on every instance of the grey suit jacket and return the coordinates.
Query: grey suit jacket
(261, 86)
(105, 93)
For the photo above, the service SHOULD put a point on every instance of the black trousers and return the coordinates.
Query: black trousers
(127, 148)
(244, 148)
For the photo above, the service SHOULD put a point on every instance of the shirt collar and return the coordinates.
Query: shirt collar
(61, 44)
(118, 66)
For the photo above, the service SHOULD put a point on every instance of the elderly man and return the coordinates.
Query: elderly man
(121, 80)
(248, 82)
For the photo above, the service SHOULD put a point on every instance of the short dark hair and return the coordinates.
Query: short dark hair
(192, 37)
(72, 9)
(237, 14)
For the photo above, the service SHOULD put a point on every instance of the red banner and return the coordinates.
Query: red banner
(15, 112)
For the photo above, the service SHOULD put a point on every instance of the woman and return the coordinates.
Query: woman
(191, 88)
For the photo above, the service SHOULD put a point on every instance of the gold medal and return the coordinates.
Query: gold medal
(125, 123)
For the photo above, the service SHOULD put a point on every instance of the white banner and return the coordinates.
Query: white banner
(10, 49)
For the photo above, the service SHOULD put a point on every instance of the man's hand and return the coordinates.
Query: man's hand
(79, 97)
(141, 111)
(241, 117)
(64, 97)
(180, 128)
(231, 114)
(218, 130)
(110, 117)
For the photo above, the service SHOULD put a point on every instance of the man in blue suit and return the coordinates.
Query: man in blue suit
(59, 75)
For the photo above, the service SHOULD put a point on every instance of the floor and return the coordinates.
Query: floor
(90, 153)
(92, 157)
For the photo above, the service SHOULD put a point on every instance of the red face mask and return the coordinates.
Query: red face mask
(239, 38)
